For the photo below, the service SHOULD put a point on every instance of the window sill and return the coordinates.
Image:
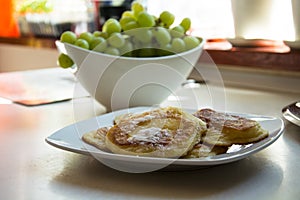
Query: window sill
(274, 59)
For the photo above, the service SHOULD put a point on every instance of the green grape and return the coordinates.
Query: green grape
(125, 23)
(167, 47)
(116, 40)
(86, 36)
(101, 47)
(125, 20)
(96, 41)
(167, 18)
(100, 34)
(177, 31)
(191, 42)
(136, 43)
(136, 8)
(143, 35)
(65, 61)
(144, 19)
(127, 14)
(162, 36)
(82, 43)
(112, 51)
(111, 26)
(130, 25)
(68, 37)
(126, 49)
(139, 39)
(186, 24)
(177, 45)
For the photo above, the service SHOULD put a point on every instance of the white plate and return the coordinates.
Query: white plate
(69, 138)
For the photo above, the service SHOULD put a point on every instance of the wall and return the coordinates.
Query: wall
(17, 57)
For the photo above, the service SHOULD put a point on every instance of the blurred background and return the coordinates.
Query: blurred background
(263, 19)
(253, 34)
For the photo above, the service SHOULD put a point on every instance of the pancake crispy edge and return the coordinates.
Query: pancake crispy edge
(96, 138)
(201, 150)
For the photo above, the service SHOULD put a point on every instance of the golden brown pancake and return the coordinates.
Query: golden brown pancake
(171, 132)
(120, 117)
(163, 132)
(96, 138)
(204, 150)
(224, 129)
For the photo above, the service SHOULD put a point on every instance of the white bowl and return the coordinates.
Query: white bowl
(119, 82)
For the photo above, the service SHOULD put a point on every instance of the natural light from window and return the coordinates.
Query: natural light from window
(214, 19)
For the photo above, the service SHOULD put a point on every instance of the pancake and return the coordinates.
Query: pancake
(224, 129)
(162, 132)
(118, 118)
(96, 138)
(204, 150)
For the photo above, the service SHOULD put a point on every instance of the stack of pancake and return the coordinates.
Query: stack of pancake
(174, 133)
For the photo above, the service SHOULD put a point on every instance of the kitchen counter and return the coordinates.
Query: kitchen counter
(32, 169)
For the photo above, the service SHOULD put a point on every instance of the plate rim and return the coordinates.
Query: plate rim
(206, 161)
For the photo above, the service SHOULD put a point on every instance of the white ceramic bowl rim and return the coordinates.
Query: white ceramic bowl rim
(140, 58)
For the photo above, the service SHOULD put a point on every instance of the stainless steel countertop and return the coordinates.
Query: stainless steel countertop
(32, 169)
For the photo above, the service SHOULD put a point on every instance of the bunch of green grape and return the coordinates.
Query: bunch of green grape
(136, 34)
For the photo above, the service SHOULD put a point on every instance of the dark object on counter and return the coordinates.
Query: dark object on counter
(49, 30)
(108, 10)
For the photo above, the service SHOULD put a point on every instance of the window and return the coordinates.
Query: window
(263, 19)
(262, 47)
